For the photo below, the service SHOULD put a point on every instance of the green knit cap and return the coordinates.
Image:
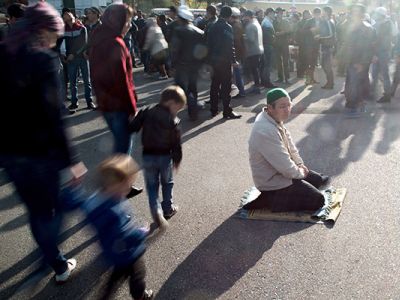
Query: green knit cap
(276, 94)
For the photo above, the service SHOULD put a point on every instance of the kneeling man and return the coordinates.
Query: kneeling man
(286, 184)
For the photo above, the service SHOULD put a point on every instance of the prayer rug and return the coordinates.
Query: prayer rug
(328, 214)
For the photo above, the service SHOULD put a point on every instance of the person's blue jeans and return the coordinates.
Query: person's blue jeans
(37, 183)
(118, 122)
(237, 72)
(158, 169)
(73, 67)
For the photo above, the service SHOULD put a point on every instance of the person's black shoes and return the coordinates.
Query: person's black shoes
(326, 181)
(91, 106)
(384, 99)
(327, 87)
(238, 96)
(134, 192)
(73, 107)
(270, 86)
(171, 213)
(232, 115)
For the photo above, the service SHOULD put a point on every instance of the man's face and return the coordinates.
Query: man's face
(317, 15)
(272, 15)
(306, 15)
(92, 17)
(68, 18)
(280, 112)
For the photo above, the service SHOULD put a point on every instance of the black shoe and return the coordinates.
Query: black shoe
(171, 213)
(327, 87)
(270, 86)
(232, 115)
(238, 96)
(384, 99)
(326, 181)
(73, 106)
(214, 113)
(91, 105)
(134, 192)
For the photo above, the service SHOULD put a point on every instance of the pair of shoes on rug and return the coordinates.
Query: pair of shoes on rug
(62, 278)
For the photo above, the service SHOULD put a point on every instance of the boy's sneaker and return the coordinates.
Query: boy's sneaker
(61, 278)
(171, 213)
(148, 294)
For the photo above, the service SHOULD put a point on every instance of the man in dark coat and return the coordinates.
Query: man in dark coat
(221, 55)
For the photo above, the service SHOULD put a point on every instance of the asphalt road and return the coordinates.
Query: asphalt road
(207, 253)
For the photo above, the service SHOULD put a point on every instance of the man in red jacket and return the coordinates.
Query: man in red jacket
(111, 72)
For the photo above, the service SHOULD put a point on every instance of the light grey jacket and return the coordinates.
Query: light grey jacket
(274, 159)
(253, 38)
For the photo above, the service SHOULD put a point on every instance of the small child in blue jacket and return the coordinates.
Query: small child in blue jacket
(108, 211)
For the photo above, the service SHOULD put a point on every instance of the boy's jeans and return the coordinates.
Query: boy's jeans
(158, 168)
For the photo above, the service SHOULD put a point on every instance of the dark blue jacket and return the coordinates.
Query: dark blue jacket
(121, 242)
(220, 43)
(31, 123)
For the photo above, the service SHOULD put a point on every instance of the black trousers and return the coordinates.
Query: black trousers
(186, 77)
(136, 274)
(282, 61)
(302, 195)
(221, 82)
(253, 63)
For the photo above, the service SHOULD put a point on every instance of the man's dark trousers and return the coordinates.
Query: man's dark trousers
(221, 82)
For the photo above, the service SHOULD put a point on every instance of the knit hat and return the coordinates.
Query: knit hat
(276, 94)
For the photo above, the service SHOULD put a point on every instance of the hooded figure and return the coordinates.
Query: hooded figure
(111, 71)
(111, 64)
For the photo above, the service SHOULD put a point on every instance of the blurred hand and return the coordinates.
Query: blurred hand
(70, 57)
(78, 172)
(305, 170)
(375, 59)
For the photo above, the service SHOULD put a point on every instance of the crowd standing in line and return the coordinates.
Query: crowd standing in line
(45, 53)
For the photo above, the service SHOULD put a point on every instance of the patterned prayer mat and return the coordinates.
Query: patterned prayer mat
(328, 214)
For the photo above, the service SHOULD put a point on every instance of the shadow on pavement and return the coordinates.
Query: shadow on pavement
(33, 257)
(223, 258)
(391, 132)
(340, 140)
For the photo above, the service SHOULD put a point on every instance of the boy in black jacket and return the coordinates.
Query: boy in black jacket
(162, 150)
